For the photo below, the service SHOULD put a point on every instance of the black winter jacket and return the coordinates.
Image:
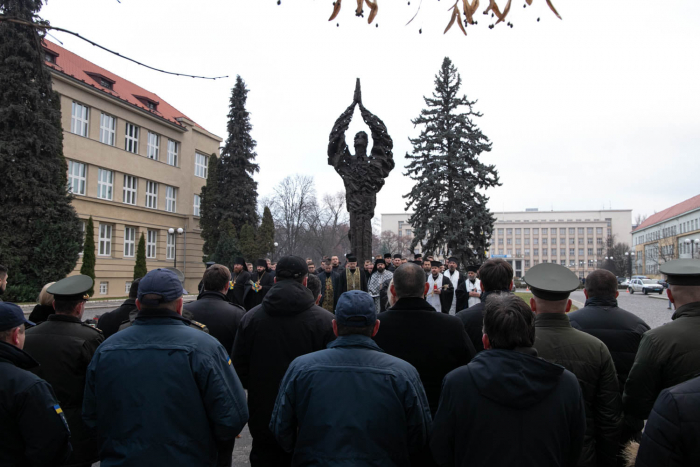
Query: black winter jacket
(589, 359)
(33, 429)
(672, 432)
(668, 355)
(285, 325)
(509, 408)
(109, 322)
(40, 313)
(473, 320)
(219, 315)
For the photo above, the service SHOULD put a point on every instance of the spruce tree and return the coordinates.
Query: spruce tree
(40, 235)
(88, 266)
(210, 216)
(237, 196)
(266, 234)
(448, 211)
(227, 248)
(247, 243)
(140, 268)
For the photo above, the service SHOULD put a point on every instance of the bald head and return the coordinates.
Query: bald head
(409, 281)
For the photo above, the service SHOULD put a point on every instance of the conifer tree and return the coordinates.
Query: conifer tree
(266, 234)
(140, 268)
(237, 196)
(227, 248)
(210, 216)
(449, 214)
(88, 266)
(247, 243)
(40, 235)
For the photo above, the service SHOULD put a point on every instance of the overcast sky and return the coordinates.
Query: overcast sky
(598, 109)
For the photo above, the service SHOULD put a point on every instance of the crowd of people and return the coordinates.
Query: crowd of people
(396, 363)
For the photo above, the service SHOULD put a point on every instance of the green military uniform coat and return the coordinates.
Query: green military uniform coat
(668, 355)
(589, 359)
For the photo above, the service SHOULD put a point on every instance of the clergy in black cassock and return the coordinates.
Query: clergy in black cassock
(240, 283)
(351, 278)
(262, 280)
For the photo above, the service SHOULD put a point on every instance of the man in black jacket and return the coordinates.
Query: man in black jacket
(672, 432)
(496, 276)
(285, 325)
(508, 407)
(64, 345)
(33, 429)
(620, 330)
(213, 310)
(240, 283)
(109, 322)
(434, 343)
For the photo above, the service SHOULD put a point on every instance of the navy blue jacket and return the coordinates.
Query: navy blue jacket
(162, 393)
(353, 405)
(506, 408)
(672, 432)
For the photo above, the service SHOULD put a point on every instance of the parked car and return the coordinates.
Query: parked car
(625, 284)
(645, 286)
(640, 277)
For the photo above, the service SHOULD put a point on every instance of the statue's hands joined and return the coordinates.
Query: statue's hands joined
(357, 99)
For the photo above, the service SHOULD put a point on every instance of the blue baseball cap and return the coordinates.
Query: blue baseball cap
(11, 316)
(161, 282)
(356, 309)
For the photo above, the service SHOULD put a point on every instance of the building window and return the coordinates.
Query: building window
(536, 252)
(572, 241)
(108, 129)
(509, 241)
(562, 252)
(590, 263)
(127, 287)
(509, 252)
(79, 120)
(526, 231)
(153, 146)
(129, 241)
(76, 177)
(580, 251)
(599, 241)
(580, 240)
(562, 231)
(589, 230)
(527, 263)
(517, 231)
(170, 247)
(152, 237)
(535, 231)
(500, 241)
(599, 252)
(544, 241)
(544, 230)
(130, 186)
(131, 139)
(554, 252)
(201, 165)
(197, 203)
(105, 246)
(590, 252)
(170, 198)
(580, 230)
(572, 263)
(509, 231)
(572, 251)
(527, 252)
(562, 241)
(589, 241)
(173, 147)
(517, 252)
(571, 230)
(563, 262)
(49, 57)
(104, 287)
(517, 241)
(527, 241)
(82, 237)
(599, 230)
(500, 231)
(105, 183)
(535, 241)
(545, 252)
(151, 195)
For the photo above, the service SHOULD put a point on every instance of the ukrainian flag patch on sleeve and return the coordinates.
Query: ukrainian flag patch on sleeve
(229, 361)
(59, 412)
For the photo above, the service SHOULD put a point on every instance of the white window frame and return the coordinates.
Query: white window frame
(77, 176)
(173, 149)
(80, 119)
(197, 205)
(153, 145)
(127, 287)
(105, 240)
(108, 129)
(131, 138)
(104, 288)
(151, 194)
(129, 242)
(201, 165)
(170, 198)
(105, 184)
(170, 247)
(130, 190)
(151, 244)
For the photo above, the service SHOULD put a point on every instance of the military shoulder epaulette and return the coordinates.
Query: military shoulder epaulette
(198, 324)
(92, 326)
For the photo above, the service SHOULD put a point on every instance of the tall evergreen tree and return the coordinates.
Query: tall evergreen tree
(210, 216)
(247, 243)
(227, 248)
(88, 266)
(40, 235)
(266, 234)
(449, 213)
(140, 268)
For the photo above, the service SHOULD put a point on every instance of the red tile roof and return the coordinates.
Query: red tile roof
(77, 67)
(673, 211)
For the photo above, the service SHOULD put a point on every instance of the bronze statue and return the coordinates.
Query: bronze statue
(363, 174)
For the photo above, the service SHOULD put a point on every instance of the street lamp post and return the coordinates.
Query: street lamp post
(171, 231)
(630, 258)
(692, 243)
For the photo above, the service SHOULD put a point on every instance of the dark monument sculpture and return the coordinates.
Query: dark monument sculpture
(363, 174)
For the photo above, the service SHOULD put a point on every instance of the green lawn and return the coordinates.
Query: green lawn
(527, 296)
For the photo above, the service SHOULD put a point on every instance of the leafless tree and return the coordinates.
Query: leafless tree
(292, 207)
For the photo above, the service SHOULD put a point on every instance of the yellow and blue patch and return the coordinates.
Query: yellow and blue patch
(59, 412)
(229, 361)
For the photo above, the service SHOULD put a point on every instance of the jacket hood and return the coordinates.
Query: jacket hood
(512, 378)
(17, 357)
(287, 298)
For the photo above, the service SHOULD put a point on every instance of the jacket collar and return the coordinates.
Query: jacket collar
(411, 304)
(687, 311)
(147, 315)
(486, 294)
(552, 320)
(16, 356)
(212, 295)
(63, 318)
(601, 302)
(354, 340)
